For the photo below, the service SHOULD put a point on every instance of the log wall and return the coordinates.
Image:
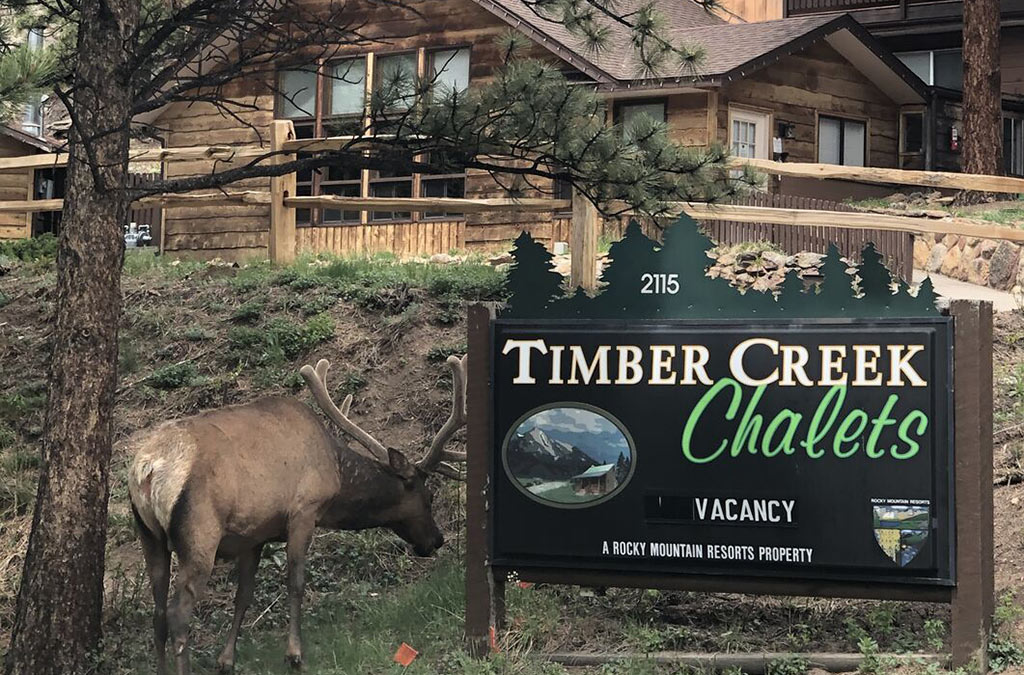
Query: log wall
(15, 185)
(816, 81)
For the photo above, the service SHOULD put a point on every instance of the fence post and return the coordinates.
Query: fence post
(973, 598)
(583, 230)
(282, 218)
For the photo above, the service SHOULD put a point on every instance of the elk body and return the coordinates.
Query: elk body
(225, 482)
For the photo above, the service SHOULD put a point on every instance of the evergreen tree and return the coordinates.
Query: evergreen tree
(532, 283)
(630, 256)
(26, 70)
(621, 469)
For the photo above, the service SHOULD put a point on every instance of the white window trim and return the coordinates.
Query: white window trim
(762, 147)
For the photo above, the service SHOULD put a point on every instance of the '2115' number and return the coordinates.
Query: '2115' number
(659, 284)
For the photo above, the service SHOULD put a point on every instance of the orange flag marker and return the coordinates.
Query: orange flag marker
(405, 655)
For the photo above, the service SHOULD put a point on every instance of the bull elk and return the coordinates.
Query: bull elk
(225, 482)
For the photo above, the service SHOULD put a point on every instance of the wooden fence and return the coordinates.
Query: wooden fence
(794, 223)
(897, 248)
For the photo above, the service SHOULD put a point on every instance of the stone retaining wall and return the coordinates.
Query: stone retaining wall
(996, 264)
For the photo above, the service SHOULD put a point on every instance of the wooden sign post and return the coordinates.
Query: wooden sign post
(908, 516)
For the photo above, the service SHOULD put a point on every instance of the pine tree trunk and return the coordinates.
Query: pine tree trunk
(57, 625)
(983, 125)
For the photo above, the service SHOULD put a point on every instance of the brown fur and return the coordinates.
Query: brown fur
(224, 482)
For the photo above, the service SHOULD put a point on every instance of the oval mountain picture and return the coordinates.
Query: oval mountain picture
(569, 455)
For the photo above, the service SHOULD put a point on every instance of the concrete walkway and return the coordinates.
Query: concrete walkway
(954, 289)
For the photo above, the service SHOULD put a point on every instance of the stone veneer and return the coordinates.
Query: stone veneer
(996, 264)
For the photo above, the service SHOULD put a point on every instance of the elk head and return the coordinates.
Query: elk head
(411, 518)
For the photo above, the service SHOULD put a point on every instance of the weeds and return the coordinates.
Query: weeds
(173, 376)
(794, 665)
(1004, 653)
(36, 249)
(249, 312)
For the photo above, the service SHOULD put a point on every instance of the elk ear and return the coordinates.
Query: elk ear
(401, 466)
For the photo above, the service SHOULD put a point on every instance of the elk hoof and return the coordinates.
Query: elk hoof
(225, 665)
(295, 661)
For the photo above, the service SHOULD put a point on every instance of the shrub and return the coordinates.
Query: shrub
(37, 249)
(173, 376)
(248, 312)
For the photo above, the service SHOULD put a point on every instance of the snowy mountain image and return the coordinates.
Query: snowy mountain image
(568, 455)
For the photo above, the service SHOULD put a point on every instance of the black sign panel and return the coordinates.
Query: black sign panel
(804, 450)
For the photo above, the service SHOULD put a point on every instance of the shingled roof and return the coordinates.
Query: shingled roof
(729, 48)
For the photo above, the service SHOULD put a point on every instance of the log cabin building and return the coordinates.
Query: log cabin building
(927, 35)
(806, 89)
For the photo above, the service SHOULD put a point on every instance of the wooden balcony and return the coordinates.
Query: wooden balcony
(897, 13)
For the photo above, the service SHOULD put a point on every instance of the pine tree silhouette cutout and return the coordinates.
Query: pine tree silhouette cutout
(926, 297)
(630, 258)
(577, 305)
(836, 290)
(791, 294)
(875, 280)
(532, 283)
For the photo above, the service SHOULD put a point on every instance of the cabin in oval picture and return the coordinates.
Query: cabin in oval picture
(569, 455)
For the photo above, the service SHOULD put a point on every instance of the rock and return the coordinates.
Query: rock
(895, 198)
(935, 213)
(746, 256)
(727, 259)
(921, 253)
(776, 260)
(950, 262)
(950, 240)
(986, 247)
(1003, 265)
(501, 259)
(978, 272)
(443, 259)
(935, 258)
(807, 259)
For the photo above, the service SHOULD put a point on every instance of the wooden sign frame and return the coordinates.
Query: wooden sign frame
(972, 599)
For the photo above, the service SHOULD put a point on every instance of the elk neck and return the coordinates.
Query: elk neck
(369, 494)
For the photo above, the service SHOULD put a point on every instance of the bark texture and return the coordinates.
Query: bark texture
(57, 625)
(983, 125)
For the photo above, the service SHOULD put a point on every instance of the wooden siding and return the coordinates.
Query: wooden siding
(817, 81)
(15, 185)
(403, 239)
(749, 11)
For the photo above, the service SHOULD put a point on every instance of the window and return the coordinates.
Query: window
(912, 132)
(34, 38)
(389, 183)
(296, 94)
(395, 79)
(748, 133)
(1013, 146)
(941, 68)
(451, 183)
(348, 87)
(631, 115)
(331, 101)
(841, 141)
(449, 70)
(344, 182)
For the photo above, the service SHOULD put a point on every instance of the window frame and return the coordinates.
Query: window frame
(931, 62)
(842, 135)
(919, 112)
(376, 75)
(431, 52)
(316, 217)
(1010, 159)
(617, 108)
(325, 92)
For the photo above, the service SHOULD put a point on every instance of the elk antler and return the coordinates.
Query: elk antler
(316, 380)
(437, 457)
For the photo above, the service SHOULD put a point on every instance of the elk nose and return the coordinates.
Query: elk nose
(439, 542)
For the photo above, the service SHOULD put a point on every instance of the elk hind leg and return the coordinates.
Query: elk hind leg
(158, 566)
(195, 536)
(300, 533)
(248, 562)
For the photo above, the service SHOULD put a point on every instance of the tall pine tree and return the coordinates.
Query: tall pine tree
(532, 282)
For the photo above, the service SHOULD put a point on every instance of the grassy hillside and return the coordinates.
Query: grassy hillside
(200, 336)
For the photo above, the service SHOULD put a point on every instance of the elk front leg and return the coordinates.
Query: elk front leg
(300, 533)
(248, 562)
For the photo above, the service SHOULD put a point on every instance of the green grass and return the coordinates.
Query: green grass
(1008, 216)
